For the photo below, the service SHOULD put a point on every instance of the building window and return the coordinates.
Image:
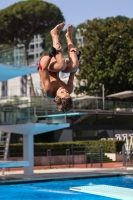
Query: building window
(4, 88)
(23, 83)
(32, 46)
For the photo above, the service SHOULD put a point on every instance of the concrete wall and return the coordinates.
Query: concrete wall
(14, 86)
(63, 160)
(115, 157)
(54, 160)
(63, 135)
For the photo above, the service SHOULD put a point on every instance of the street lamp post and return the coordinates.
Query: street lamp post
(103, 96)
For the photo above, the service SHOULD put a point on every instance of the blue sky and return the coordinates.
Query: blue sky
(78, 11)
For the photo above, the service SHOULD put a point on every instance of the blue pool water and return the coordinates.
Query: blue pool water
(59, 190)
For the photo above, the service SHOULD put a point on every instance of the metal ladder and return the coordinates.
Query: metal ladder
(4, 147)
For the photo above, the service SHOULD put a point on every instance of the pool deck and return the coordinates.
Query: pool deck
(63, 172)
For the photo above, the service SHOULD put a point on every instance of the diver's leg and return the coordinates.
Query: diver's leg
(72, 63)
(58, 61)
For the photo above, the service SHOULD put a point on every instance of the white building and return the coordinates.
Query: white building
(35, 50)
(80, 38)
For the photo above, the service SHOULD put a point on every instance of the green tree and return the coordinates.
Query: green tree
(21, 21)
(107, 56)
(119, 18)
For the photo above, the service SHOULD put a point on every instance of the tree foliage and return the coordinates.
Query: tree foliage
(107, 56)
(20, 21)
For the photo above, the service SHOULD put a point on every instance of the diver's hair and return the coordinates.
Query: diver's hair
(63, 104)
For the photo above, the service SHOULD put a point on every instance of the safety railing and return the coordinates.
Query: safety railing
(127, 156)
(37, 109)
(77, 104)
(96, 104)
(28, 112)
(72, 156)
(21, 113)
(12, 56)
(95, 156)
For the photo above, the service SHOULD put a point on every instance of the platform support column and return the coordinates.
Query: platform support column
(28, 153)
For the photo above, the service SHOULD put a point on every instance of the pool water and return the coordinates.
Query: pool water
(60, 189)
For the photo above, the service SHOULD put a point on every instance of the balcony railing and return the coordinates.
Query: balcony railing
(13, 56)
(43, 110)
(98, 104)
(29, 112)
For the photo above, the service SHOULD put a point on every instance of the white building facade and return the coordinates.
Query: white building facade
(35, 49)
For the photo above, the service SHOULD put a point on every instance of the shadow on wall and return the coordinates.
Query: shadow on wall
(103, 134)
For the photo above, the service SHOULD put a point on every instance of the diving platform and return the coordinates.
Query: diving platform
(30, 119)
(106, 191)
(28, 131)
(12, 71)
(12, 164)
(26, 118)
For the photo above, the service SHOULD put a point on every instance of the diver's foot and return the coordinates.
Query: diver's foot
(69, 31)
(58, 28)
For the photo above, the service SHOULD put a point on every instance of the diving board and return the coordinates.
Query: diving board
(64, 114)
(12, 71)
(106, 191)
(28, 131)
(33, 128)
(13, 164)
